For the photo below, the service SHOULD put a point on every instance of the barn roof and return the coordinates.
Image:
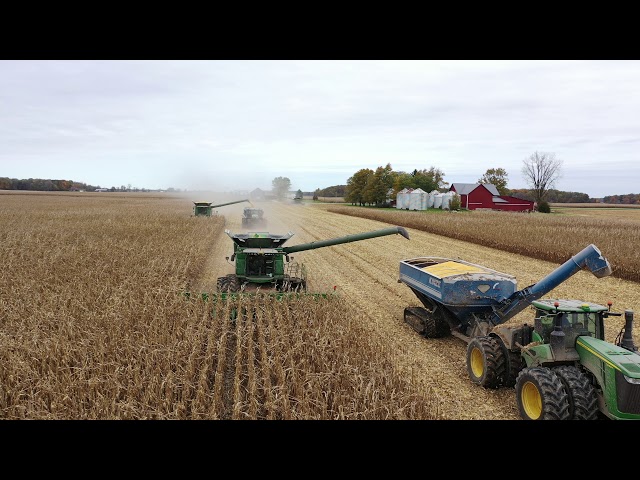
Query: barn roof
(466, 188)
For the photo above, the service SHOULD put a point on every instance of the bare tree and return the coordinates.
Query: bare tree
(541, 170)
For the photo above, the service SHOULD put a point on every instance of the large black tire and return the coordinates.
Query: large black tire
(515, 364)
(486, 362)
(541, 395)
(583, 400)
(229, 283)
(222, 284)
(234, 283)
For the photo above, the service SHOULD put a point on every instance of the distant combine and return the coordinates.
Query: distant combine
(205, 209)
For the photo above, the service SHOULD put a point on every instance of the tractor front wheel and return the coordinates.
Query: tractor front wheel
(486, 362)
(541, 395)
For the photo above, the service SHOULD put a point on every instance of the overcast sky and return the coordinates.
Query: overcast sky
(225, 125)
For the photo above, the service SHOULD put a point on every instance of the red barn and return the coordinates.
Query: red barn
(486, 195)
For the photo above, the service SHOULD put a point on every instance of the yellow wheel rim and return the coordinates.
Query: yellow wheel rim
(531, 400)
(477, 363)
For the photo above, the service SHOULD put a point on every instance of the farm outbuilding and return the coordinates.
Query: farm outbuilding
(485, 195)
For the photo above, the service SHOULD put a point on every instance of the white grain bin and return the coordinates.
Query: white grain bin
(446, 200)
(402, 201)
(430, 200)
(437, 200)
(418, 199)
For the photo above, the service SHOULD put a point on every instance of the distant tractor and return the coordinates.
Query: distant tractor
(253, 217)
(204, 209)
(298, 196)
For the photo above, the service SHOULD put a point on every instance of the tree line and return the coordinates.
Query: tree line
(46, 185)
(540, 170)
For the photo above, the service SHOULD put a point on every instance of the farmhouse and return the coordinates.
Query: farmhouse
(485, 195)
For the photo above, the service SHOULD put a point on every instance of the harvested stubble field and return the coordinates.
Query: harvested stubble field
(554, 238)
(93, 323)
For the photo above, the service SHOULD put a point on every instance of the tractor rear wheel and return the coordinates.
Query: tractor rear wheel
(515, 363)
(486, 362)
(583, 400)
(541, 395)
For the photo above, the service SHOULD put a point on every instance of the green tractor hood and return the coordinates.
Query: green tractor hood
(618, 358)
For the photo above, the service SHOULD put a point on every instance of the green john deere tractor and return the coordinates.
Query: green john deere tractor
(571, 371)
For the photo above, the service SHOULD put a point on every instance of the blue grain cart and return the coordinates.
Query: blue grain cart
(561, 365)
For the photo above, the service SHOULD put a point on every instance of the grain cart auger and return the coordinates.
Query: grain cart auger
(262, 260)
(561, 366)
(204, 209)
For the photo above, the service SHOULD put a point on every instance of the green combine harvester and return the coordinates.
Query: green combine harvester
(261, 260)
(205, 209)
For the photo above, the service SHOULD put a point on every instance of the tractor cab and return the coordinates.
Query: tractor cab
(576, 318)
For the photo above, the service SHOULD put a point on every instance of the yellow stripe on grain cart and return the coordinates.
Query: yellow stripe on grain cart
(447, 269)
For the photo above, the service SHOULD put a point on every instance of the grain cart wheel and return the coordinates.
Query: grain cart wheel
(415, 317)
(486, 362)
(583, 400)
(541, 395)
(426, 323)
(436, 325)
